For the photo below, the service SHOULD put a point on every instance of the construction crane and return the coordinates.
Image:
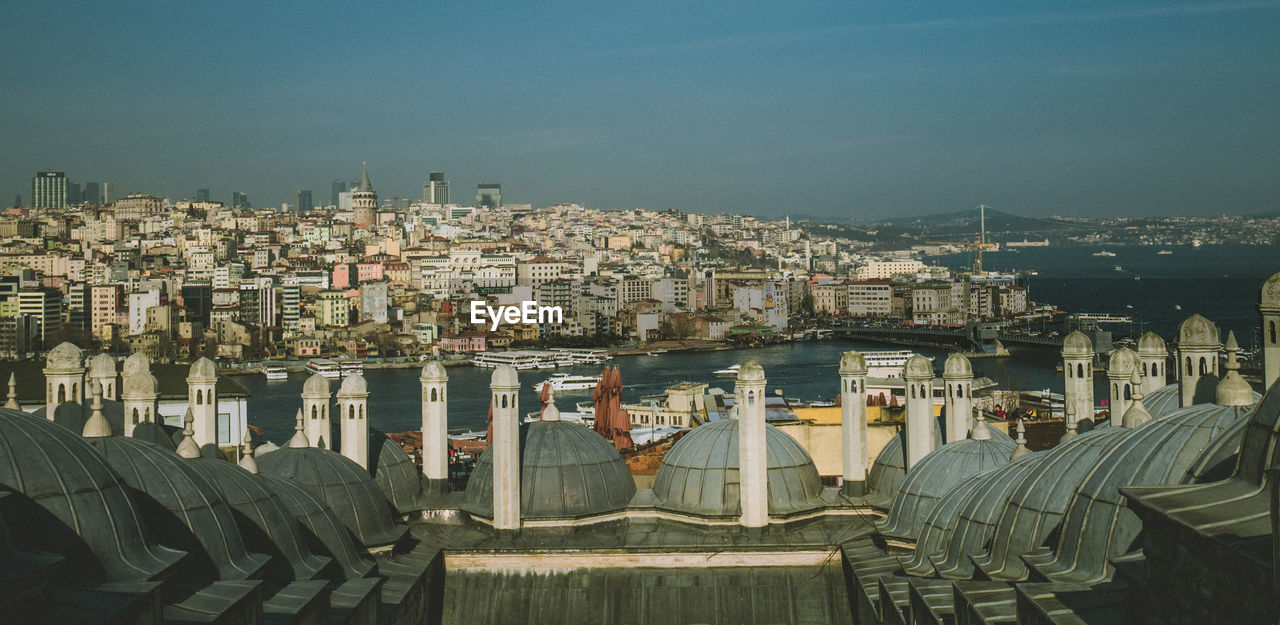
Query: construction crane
(980, 245)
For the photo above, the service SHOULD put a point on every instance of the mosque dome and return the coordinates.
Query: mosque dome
(354, 384)
(316, 385)
(1167, 399)
(83, 509)
(566, 471)
(154, 433)
(957, 366)
(320, 520)
(265, 523)
(936, 475)
(64, 356)
(890, 467)
(345, 486)
(1037, 503)
(394, 473)
(434, 371)
(939, 524)
(700, 473)
(853, 363)
(182, 508)
(203, 370)
(1197, 331)
(102, 366)
(1098, 526)
(1123, 362)
(1077, 345)
(1150, 344)
(918, 366)
(136, 362)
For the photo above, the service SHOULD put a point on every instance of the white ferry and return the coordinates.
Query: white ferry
(325, 367)
(274, 372)
(887, 364)
(1164, 253)
(521, 360)
(583, 356)
(564, 382)
(1104, 253)
(348, 366)
(727, 372)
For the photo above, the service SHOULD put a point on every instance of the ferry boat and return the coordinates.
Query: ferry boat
(564, 382)
(1104, 253)
(727, 372)
(325, 367)
(887, 364)
(348, 366)
(521, 360)
(1164, 253)
(583, 356)
(274, 372)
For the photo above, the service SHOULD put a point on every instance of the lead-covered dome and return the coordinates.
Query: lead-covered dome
(184, 510)
(890, 467)
(320, 520)
(1077, 345)
(394, 473)
(343, 485)
(566, 471)
(81, 506)
(700, 473)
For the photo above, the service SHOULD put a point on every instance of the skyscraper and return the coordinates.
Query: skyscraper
(337, 187)
(305, 205)
(239, 200)
(364, 201)
(110, 191)
(202, 195)
(73, 194)
(92, 193)
(488, 195)
(49, 190)
(436, 190)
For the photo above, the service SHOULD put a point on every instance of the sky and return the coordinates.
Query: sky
(840, 110)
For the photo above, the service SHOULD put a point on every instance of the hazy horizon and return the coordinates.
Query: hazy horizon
(833, 110)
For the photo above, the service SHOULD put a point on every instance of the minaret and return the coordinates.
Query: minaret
(1020, 449)
(64, 377)
(957, 377)
(1136, 414)
(353, 400)
(918, 375)
(504, 387)
(1269, 309)
(853, 423)
(1123, 366)
(139, 395)
(753, 482)
(364, 202)
(1077, 371)
(1154, 355)
(202, 396)
(1198, 347)
(12, 401)
(435, 424)
(102, 374)
(315, 411)
(1232, 389)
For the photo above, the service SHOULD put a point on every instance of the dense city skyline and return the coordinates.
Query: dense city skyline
(823, 110)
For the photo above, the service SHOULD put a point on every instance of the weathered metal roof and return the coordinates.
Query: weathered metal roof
(939, 525)
(935, 476)
(394, 473)
(320, 520)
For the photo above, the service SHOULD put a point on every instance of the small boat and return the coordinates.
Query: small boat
(728, 372)
(564, 382)
(1137, 277)
(1164, 253)
(1104, 253)
(1119, 268)
(1177, 306)
(274, 372)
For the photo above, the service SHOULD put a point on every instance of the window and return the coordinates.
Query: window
(1204, 366)
(433, 394)
(1079, 370)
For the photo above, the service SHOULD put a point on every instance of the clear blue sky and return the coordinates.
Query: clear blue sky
(839, 109)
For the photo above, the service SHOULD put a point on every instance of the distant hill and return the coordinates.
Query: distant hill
(968, 222)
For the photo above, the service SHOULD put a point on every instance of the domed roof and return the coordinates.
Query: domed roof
(1269, 294)
(394, 473)
(1123, 362)
(265, 523)
(342, 484)
(1150, 344)
(939, 525)
(84, 510)
(434, 371)
(155, 434)
(324, 525)
(918, 367)
(700, 473)
(504, 376)
(136, 362)
(182, 508)
(890, 467)
(102, 366)
(1097, 525)
(751, 371)
(353, 384)
(566, 471)
(140, 384)
(957, 365)
(936, 475)
(63, 357)
(853, 363)
(316, 385)
(1197, 331)
(203, 370)
(1077, 345)
(1038, 502)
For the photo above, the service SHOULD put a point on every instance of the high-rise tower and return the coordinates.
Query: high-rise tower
(436, 189)
(49, 190)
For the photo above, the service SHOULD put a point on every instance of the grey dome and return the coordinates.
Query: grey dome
(137, 362)
(890, 467)
(853, 363)
(700, 473)
(1122, 363)
(64, 357)
(1167, 400)
(751, 371)
(1269, 294)
(394, 473)
(1038, 502)
(1197, 331)
(957, 365)
(1098, 526)
(316, 385)
(266, 524)
(102, 366)
(81, 506)
(939, 524)
(183, 509)
(324, 527)
(203, 370)
(936, 475)
(504, 376)
(917, 366)
(1151, 345)
(1077, 345)
(433, 371)
(354, 384)
(566, 470)
(345, 486)
(141, 384)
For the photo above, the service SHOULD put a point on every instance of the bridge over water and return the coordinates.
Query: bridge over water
(973, 338)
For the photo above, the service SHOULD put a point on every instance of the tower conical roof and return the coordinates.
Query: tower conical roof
(365, 185)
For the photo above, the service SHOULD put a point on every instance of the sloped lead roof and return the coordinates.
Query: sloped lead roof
(935, 476)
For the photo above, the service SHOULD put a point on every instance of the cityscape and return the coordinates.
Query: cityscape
(865, 314)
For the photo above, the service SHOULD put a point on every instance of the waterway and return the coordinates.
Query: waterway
(1220, 282)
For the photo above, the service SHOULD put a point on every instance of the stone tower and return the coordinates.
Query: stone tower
(1120, 375)
(853, 423)
(1198, 347)
(353, 400)
(64, 377)
(315, 411)
(1077, 373)
(102, 373)
(504, 388)
(1269, 309)
(918, 375)
(1155, 358)
(202, 396)
(753, 464)
(957, 377)
(435, 426)
(139, 393)
(364, 202)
